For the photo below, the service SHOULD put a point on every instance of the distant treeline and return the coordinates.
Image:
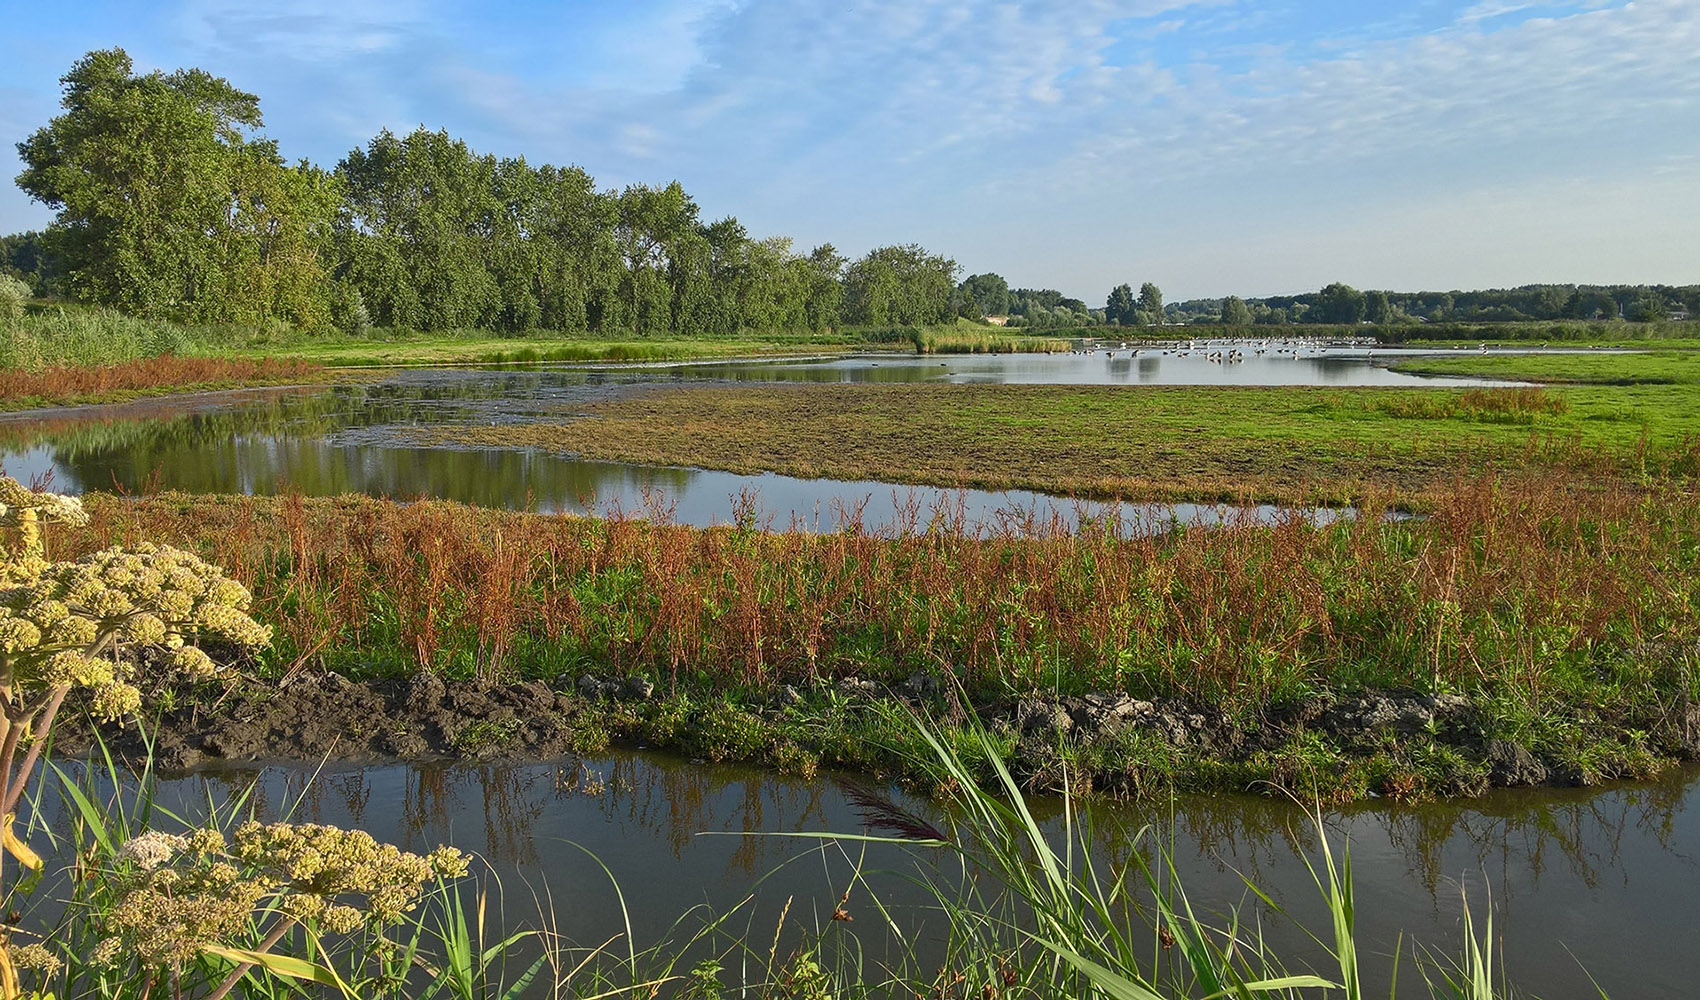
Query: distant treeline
(172, 204)
(1339, 303)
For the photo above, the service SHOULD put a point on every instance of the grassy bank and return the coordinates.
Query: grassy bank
(1298, 445)
(1649, 368)
(75, 386)
(1568, 618)
(67, 335)
(1569, 333)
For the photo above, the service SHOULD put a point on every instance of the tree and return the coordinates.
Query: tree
(420, 215)
(1337, 303)
(1119, 307)
(23, 256)
(1647, 308)
(170, 203)
(824, 298)
(1151, 302)
(1235, 312)
(990, 293)
(1377, 307)
(899, 285)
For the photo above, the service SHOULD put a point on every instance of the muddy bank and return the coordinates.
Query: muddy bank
(1367, 744)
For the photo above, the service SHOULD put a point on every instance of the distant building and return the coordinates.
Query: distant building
(998, 320)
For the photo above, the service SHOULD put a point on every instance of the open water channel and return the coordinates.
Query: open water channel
(354, 438)
(1602, 879)
(1581, 882)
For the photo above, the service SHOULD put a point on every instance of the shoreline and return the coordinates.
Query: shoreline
(1338, 748)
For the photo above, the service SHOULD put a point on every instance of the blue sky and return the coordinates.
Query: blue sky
(1219, 146)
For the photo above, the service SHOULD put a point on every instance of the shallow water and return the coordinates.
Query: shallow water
(1272, 362)
(1595, 879)
(355, 439)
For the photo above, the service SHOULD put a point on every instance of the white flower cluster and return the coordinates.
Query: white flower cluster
(49, 508)
(60, 623)
(177, 894)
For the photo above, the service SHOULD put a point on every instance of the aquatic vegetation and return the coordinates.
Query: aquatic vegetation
(1571, 611)
(1293, 445)
(100, 626)
(63, 384)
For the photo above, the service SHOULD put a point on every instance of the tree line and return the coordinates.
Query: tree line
(172, 203)
(1339, 303)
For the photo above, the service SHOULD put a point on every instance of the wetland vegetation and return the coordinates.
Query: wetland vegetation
(1536, 623)
(1288, 445)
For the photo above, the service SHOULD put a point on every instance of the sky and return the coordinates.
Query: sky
(1249, 147)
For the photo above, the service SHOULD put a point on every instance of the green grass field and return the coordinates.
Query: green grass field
(1157, 443)
(1663, 367)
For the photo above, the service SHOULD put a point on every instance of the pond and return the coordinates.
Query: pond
(355, 439)
(1599, 879)
(1197, 362)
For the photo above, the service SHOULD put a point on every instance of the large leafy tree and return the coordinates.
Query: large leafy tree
(169, 201)
(1338, 303)
(420, 219)
(1235, 312)
(1120, 307)
(989, 291)
(902, 285)
(1151, 303)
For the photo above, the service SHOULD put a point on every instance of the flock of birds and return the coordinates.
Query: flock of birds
(1225, 353)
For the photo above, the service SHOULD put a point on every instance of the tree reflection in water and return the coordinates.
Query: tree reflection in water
(1595, 872)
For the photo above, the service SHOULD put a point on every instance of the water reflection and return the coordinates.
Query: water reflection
(1607, 875)
(1200, 362)
(348, 439)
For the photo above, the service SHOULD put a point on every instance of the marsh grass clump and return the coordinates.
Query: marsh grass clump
(1520, 405)
(1561, 616)
(61, 383)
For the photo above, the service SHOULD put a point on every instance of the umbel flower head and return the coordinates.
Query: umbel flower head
(93, 622)
(48, 508)
(176, 894)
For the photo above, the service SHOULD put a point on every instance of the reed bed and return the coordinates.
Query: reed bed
(1528, 585)
(958, 342)
(145, 375)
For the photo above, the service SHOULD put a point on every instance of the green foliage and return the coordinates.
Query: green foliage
(899, 285)
(1151, 303)
(169, 202)
(1119, 308)
(1235, 312)
(989, 293)
(22, 256)
(1338, 303)
(13, 294)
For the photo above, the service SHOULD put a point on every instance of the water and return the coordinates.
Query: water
(355, 439)
(1604, 878)
(1281, 363)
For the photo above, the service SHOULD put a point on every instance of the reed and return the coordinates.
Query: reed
(1527, 585)
(166, 373)
(953, 341)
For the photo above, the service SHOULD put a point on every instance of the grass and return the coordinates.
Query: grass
(957, 341)
(1297, 445)
(1640, 368)
(1016, 912)
(1567, 615)
(65, 386)
(71, 336)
